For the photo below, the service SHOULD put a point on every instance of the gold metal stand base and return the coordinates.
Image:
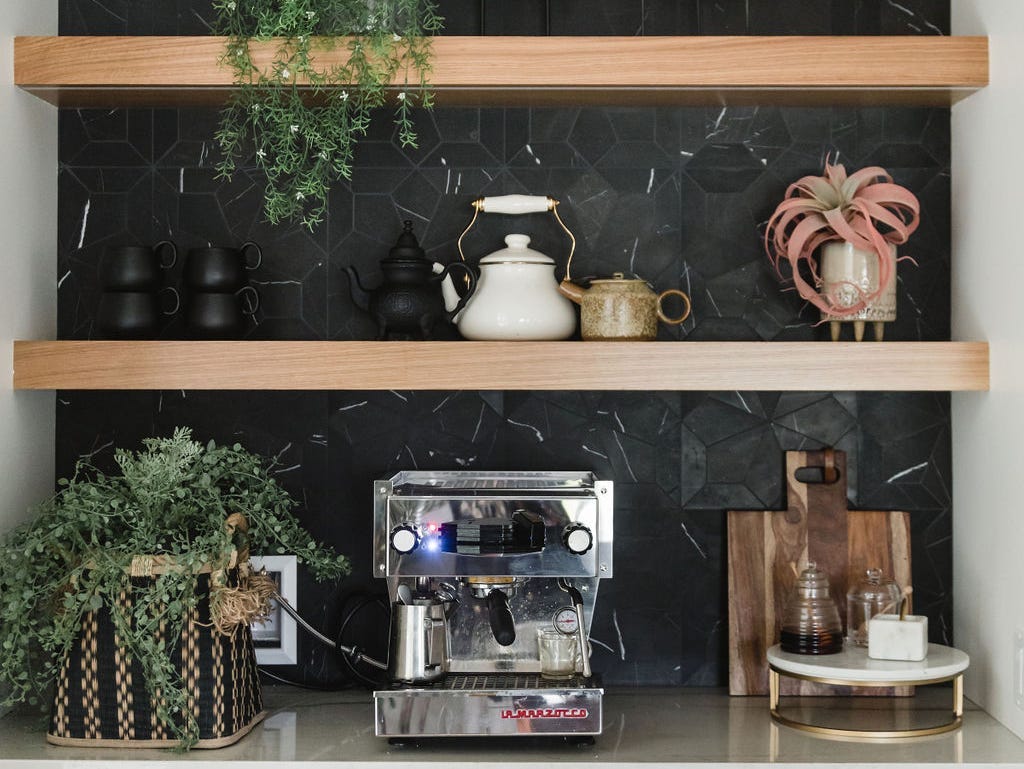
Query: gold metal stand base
(774, 692)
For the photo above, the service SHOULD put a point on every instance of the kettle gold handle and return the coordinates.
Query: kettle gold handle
(519, 204)
(681, 295)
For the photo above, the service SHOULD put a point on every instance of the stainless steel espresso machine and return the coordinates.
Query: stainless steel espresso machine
(479, 567)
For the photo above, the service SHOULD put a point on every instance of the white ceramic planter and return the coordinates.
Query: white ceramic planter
(846, 273)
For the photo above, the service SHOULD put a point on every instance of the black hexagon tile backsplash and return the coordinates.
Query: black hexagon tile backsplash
(677, 195)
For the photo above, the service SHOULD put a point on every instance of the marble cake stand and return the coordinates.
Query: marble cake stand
(853, 667)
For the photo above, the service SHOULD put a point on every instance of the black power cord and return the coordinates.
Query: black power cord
(349, 655)
(363, 599)
(300, 685)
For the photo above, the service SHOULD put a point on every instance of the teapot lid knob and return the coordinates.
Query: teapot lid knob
(407, 246)
(517, 241)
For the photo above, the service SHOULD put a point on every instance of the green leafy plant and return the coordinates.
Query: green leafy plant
(172, 498)
(302, 118)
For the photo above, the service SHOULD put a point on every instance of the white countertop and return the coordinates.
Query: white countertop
(649, 728)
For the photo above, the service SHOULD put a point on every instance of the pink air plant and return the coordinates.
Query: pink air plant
(866, 208)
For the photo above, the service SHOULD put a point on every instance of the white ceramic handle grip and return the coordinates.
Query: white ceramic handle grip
(516, 204)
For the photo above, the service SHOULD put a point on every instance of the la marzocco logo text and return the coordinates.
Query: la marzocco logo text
(545, 713)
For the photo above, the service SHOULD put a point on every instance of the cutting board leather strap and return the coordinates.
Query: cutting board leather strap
(824, 508)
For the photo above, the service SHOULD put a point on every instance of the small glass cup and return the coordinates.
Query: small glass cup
(558, 654)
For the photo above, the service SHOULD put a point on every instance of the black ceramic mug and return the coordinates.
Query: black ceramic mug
(220, 315)
(133, 314)
(136, 268)
(221, 270)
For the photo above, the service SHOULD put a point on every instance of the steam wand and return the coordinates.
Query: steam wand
(577, 602)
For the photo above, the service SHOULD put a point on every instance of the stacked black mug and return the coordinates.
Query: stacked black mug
(130, 306)
(220, 296)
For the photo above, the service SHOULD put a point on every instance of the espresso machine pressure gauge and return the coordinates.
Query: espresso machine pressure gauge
(565, 621)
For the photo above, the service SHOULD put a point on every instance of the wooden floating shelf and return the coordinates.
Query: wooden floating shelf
(814, 366)
(178, 71)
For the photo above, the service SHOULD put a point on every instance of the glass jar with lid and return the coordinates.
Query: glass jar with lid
(811, 623)
(874, 594)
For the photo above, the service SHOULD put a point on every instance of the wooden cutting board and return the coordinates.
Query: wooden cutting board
(768, 549)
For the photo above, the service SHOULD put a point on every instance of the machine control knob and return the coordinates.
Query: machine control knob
(405, 538)
(577, 538)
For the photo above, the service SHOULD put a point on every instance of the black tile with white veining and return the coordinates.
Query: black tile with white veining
(461, 17)
(527, 17)
(914, 17)
(679, 196)
(565, 17)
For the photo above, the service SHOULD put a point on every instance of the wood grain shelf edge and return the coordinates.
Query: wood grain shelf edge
(316, 365)
(75, 71)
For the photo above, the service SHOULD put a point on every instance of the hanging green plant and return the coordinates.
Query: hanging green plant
(302, 118)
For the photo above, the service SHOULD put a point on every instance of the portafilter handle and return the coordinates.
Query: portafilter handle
(581, 628)
(503, 625)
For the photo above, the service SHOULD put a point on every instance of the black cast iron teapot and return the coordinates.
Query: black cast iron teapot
(408, 302)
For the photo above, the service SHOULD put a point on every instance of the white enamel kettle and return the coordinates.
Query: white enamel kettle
(516, 295)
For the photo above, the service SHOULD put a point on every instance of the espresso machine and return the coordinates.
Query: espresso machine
(487, 573)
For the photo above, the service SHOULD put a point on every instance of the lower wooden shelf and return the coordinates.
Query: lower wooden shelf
(249, 365)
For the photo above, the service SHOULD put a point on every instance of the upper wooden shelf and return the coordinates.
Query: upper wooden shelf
(824, 366)
(177, 71)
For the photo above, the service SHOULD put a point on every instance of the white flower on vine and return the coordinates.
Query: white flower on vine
(232, 5)
(299, 196)
(401, 96)
(322, 155)
(285, 73)
(255, 107)
(295, 129)
(309, 14)
(395, 36)
(261, 153)
(343, 95)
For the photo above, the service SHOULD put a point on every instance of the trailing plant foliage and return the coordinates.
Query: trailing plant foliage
(865, 208)
(302, 118)
(171, 498)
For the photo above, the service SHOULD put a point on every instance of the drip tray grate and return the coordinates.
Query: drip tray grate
(472, 682)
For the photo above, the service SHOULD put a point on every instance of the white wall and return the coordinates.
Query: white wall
(28, 246)
(988, 428)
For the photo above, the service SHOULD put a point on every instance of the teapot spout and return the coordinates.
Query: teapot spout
(451, 297)
(572, 291)
(359, 294)
(453, 302)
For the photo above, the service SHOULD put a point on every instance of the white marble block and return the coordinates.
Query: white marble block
(890, 638)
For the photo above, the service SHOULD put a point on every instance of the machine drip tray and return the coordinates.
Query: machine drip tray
(503, 681)
(491, 704)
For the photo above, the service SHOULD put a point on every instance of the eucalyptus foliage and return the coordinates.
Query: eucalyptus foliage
(171, 498)
(302, 118)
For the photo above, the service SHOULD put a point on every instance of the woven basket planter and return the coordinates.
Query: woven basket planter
(101, 698)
